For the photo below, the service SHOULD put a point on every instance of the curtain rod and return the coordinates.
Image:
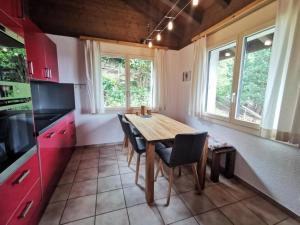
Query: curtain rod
(120, 42)
(252, 7)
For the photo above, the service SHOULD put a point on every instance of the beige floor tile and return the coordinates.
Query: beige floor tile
(91, 155)
(110, 201)
(174, 212)
(72, 166)
(118, 217)
(289, 221)
(67, 177)
(128, 180)
(144, 214)
(84, 188)
(134, 195)
(219, 196)
(241, 215)
(197, 203)
(189, 221)
(126, 169)
(108, 170)
(265, 210)
(238, 190)
(87, 221)
(86, 174)
(161, 189)
(79, 208)
(109, 183)
(214, 217)
(107, 161)
(88, 163)
(183, 183)
(53, 214)
(61, 193)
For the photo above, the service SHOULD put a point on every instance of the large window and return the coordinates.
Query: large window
(221, 66)
(237, 94)
(127, 82)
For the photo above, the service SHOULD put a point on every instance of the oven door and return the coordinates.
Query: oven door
(16, 135)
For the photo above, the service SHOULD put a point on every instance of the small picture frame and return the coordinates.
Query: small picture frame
(186, 76)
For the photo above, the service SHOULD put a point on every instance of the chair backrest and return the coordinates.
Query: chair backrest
(187, 148)
(120, 116)
(129, 134)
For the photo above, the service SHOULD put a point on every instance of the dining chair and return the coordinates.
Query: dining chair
(187, 150)
(138, 145)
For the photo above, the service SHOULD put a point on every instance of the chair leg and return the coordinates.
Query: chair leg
(137, 168)
(131, 155)
(161, 168)
(158, 169)
(125, 143)
(197, 183)
(171, 176)
(179, 171)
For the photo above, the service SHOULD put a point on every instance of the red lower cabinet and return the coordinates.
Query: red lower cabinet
(29, 210)
(13, 190)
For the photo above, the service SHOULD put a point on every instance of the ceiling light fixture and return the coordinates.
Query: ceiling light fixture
(195, 2)
(170, 25)
(227, 54)
(158, 37)
(268, 42)
(150, 45)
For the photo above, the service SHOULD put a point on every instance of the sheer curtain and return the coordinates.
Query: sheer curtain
(159, 80)
(281, 117)
(197, 94)
(92, 54)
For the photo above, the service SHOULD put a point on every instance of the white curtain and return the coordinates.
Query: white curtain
(197, 94)
(281, 118)
(159, 80)
(92, 54)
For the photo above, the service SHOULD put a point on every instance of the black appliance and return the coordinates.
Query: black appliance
(16, 118)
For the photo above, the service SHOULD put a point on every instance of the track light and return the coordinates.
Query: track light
(268, 42)
(150, 44)
(195, 2)
(170, 25)
(158, 37)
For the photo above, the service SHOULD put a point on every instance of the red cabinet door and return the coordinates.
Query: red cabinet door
(28, 211)
(34, 44)
(51, 59)
(9, 23)
(13, 190)
(14, 9)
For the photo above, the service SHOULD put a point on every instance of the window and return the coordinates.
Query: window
(140, 82)
(114, 81)
(127, 82)
(254, 76)
(248, 79)
(220, 76)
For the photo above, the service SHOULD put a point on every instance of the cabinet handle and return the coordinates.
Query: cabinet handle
(50, 73)
(21, 9)
(26, 210)
(63, 132)
(30, 68)
(51, 135)
(22, 177)
(46, 73)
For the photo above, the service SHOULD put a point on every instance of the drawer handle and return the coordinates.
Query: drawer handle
(51, 135)
(22, 177)
(26, 210)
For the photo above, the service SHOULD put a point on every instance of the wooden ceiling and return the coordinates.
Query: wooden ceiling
(129, 20)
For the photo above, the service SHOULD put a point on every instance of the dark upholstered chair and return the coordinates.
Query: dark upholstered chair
(138, 145)
(187, 149)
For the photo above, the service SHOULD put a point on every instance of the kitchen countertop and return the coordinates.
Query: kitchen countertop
(47, 118)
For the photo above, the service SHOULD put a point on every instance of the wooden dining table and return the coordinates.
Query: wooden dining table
(156, 128)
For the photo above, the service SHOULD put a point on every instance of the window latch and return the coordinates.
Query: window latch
(233, 95)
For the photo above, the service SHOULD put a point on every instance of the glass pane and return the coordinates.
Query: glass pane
(221, 65)
(114, 81)
(254, 76)
(140, 82)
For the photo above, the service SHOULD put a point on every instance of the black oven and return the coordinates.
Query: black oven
(16, 118)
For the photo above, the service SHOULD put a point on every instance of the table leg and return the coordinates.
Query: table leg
(229, 164)
(201, 165)
(215, 167)
(150, 153)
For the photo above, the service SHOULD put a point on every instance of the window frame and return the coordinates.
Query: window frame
(239, 39)
(127, 58)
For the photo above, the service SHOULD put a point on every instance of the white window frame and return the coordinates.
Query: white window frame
(231, 121)
(127, 57)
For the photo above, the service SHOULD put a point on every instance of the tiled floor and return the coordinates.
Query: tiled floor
(97, 188)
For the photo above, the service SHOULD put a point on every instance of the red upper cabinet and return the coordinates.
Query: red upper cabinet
(41, 54)
(51, 59)
(14, 9)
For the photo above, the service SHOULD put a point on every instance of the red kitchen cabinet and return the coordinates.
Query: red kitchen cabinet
(9, 23)
(29, 210)
(13, 190)
(14, 9)
(41, 54)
